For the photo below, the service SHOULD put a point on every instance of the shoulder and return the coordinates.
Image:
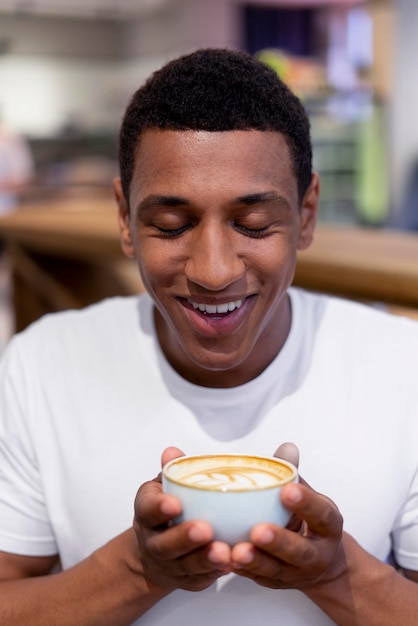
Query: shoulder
(360, 313)
(108, 321)
(356, 326)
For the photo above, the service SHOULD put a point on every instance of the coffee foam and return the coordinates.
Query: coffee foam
(231, 479)
(229, 472)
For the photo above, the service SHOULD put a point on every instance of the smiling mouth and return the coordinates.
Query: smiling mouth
(213, 309)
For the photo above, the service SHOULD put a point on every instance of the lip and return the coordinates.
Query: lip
(216, 324)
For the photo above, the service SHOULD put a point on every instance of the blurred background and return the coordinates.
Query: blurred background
(68, 68)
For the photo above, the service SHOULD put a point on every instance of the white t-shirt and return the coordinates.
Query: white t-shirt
(88, 402)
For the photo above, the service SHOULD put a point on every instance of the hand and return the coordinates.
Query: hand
(181, 556)
(309, 551)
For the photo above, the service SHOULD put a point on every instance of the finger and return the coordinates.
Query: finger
(255, 564)
(318, 511)
(196, 570)
(180, 540)
(219, 554)
(169, 454)
(280, 544)
(283, 561)
(289, 452)
(270, 543)
(153, 507)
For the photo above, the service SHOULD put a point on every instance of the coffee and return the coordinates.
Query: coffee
(231, 473)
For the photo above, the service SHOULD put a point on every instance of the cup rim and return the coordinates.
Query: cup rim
(219, 455)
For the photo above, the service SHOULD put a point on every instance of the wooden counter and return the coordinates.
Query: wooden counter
(66, 253)
(361, 263)
(74, 226)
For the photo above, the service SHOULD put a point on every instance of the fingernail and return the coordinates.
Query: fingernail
(166, 508)
(215, 558)
(266, 536)
(197, 534)
(293, 494)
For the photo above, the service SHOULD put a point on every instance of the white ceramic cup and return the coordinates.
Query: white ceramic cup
(232, 492)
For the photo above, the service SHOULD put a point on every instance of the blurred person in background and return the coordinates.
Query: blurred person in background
(16, 173)
(216, 197)
(16, 167)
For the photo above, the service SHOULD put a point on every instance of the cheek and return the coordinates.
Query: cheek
(276, 259)
(158, 269)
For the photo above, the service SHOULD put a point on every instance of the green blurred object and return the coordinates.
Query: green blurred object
(372, 189)
(277, 60)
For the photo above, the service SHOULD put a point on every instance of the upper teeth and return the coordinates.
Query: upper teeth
(217, 308)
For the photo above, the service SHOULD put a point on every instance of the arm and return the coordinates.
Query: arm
(371, 592)
(121, 580)
(108, 588)
(328, 565)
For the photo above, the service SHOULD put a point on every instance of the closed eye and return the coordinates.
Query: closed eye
(254, 232)
(170, 233)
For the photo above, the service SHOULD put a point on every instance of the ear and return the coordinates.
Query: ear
(309, 213)
(123, 220)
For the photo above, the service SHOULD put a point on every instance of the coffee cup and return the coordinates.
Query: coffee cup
(232, 492)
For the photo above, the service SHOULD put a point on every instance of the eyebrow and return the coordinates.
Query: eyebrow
(263, 197)
(155, 200)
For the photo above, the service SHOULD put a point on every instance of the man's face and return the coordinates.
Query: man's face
(215, 225)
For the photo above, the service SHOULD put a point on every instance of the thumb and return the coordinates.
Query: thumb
(288, 452)
(169, 454)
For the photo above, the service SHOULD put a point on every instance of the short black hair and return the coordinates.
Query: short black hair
(216, 90)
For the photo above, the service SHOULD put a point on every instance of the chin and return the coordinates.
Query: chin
(217, 362)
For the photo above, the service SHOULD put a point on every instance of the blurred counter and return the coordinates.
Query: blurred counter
(373, 265)
(65, 253)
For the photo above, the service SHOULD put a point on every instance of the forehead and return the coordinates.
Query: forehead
(232, 162)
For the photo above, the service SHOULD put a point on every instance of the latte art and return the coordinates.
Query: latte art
(233, 478)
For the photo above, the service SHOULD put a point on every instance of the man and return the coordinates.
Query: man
(215, 198)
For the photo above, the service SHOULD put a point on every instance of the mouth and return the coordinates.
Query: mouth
(216, 309)
(217, 319)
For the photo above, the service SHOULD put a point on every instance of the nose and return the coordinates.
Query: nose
(214, 261)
